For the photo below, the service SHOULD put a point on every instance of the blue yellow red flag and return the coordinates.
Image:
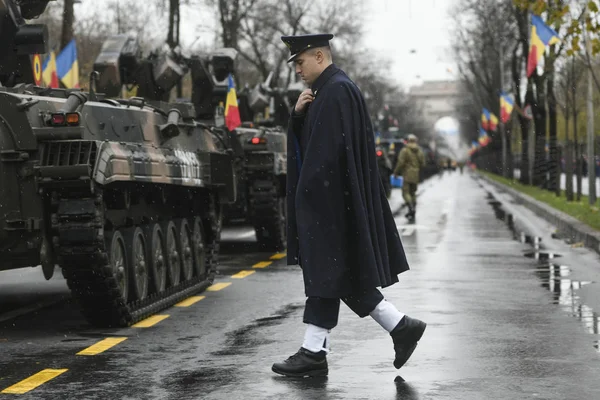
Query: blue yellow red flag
(67, 66)
(49, 75)
(507, 103)
(493, 122)
(484, 139)
(232, 112)
(474, 147)
(485, 119)
(541, 36)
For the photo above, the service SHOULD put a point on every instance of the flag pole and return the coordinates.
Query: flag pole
(501, 123)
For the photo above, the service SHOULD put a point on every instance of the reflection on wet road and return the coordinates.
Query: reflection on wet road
(499, 301)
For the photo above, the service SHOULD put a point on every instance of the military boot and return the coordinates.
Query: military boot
(406, 335)
(303, 363)
(411, 211)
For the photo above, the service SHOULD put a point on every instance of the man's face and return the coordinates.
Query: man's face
(308, 66)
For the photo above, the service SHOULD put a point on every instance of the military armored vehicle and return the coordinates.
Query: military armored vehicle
(125, 195)
(260, 162)
(258, 146)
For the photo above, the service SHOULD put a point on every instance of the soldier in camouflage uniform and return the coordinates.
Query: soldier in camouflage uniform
(410, 162)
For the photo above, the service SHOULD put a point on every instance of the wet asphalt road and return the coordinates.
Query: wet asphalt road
(503, 322)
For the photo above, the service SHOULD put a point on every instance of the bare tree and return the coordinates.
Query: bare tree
(517, 67)
(483, 33)
(254, 29)
(568, 78)
(67, 23)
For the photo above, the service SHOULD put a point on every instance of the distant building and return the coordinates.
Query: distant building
(437, 99)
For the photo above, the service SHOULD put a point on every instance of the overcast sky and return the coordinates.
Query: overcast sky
(397, 26)
(392, 28)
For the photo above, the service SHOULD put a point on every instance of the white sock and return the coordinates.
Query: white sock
(316, 339)
(386, 315)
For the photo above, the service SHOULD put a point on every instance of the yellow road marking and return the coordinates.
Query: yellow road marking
(101, 346)
(242, 274)
(189, 301)
(277, 256)
(218, 286)
(148, 322)
(34, 381)
(262, 264)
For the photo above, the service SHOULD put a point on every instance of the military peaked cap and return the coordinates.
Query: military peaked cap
(300, 43)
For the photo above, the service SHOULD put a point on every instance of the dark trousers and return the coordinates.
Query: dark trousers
(324, 312)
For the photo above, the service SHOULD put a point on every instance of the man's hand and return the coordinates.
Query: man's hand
(304, 99)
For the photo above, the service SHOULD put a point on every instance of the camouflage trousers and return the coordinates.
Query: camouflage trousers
(409, 193)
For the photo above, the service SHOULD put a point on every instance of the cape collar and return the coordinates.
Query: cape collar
(324, 77)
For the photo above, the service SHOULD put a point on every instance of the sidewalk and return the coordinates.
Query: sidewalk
(567, 227)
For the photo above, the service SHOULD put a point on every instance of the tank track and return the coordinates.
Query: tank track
(268, 214)
(80, 238)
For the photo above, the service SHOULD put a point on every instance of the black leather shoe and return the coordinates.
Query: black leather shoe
(303, 363)
(406, 335)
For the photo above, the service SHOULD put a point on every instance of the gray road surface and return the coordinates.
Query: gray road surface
(503, 324)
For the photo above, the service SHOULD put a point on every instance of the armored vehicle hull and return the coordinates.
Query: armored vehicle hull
(261, 169)
(125, 196)
(261, 164)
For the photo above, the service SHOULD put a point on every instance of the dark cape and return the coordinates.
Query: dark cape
(340, 227)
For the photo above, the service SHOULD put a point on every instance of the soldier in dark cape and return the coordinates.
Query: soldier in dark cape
(340, 227)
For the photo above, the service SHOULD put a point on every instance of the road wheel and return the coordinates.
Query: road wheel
(136, 247)
(157, 264)
(185, 246)
(199, 248)
(118, 263)
(173, 256)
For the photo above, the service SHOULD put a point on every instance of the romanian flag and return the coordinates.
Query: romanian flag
(49, 74)
(541, 36)
(507, 103)
(484, 139)
(67, 66)
(493, 122)
(474, 147)
(485, 119)
(232, 113)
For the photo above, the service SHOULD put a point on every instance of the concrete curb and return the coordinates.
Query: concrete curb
(568, 227)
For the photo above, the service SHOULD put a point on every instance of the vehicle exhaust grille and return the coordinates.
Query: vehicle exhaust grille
(69, 153)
